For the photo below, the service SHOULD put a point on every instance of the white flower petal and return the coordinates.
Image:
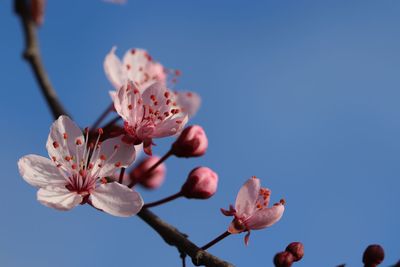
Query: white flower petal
(39, 171)
(113, 69)
(62, 141)
(117, 154)
(246, 199)
(127, 102)
(117, 199)
(58, 198)
(171, 126)
(265, 217)
(135, 63)
(189, 101)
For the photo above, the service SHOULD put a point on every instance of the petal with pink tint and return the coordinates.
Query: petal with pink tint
(247, 197)
(135, 65)
(114, 154)
(265, 217)
(63, 140)
(127, 102)
(117, 199)
(39, 171)
(58, 198)
(113, 69)
(156, 96)
(171, 126)
(189, 101)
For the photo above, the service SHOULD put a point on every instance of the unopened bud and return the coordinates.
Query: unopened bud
(152, 179)
(201, 183)
(373, 255)
(283, 259)
(297, 250)
(192, 142)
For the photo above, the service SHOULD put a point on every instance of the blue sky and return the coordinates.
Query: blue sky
(302, 94)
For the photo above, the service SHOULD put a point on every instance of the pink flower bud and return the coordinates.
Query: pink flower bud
(192, 142)
(283, 259)
(150, 180)
(373, 255)
(201, 183)
(297, 250)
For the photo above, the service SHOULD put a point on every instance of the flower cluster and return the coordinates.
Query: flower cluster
(88, 166)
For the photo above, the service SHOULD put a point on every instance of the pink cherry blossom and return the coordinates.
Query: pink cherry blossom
(138, 66)
(251, 211)
(75, 173)
(150, 180)
(153, 114)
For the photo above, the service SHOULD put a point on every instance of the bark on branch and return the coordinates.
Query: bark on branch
(32, 55)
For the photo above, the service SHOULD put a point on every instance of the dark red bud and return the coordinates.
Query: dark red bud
(373, 255)
(297, 250)
(283, 259)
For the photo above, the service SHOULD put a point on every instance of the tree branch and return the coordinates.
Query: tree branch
(174, 237)
(32, 55)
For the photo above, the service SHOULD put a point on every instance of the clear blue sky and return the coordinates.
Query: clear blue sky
(303, 94)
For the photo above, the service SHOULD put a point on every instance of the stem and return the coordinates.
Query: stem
(183, 257)
(152, 168)
(162, 201)
(32, 56)
(174, 237)
(121, 175)
(111, 122)
(216, 240)
(103, 116)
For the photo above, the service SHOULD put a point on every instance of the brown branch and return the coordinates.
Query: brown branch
(170, 234)
(32, 55)
(174, 237)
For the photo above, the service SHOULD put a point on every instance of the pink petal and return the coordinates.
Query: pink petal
(246, 199)
(155, 93)
(265, 217)
(189, 102)
(117, 155)
(128, 103)
(171, 126)
(58, 198)
(135, 64)
(40, 171)
(62, 141)
(117, 199)
(113, 69)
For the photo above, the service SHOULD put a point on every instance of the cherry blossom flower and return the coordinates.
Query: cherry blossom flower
(153, 114)
(75, 173)
(138, 66)
(251, 211)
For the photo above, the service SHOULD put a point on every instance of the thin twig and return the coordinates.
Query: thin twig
(173, 237)
(32, 56)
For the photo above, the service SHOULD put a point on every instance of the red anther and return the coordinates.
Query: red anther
(130, 107)
(155, 103)
(282, 201)
(141, 69)
(53, 158)
(67, 158)
(73, 166)
(102, 157)
(160, 118)
(168, 101)
(128, 67)
(55, 144)
(82, 173)
(116, 147)
(103, 180)
(136, 91)
(166, 113)
(178, 121)
(118, 164)
(99, 165)
(149, 58)
(178, 73)
(166, 94)
(90, 166)
(153, 97)
(133, 51)
(100, 131)
(58, 165)
(78, 142)
(65, 135)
